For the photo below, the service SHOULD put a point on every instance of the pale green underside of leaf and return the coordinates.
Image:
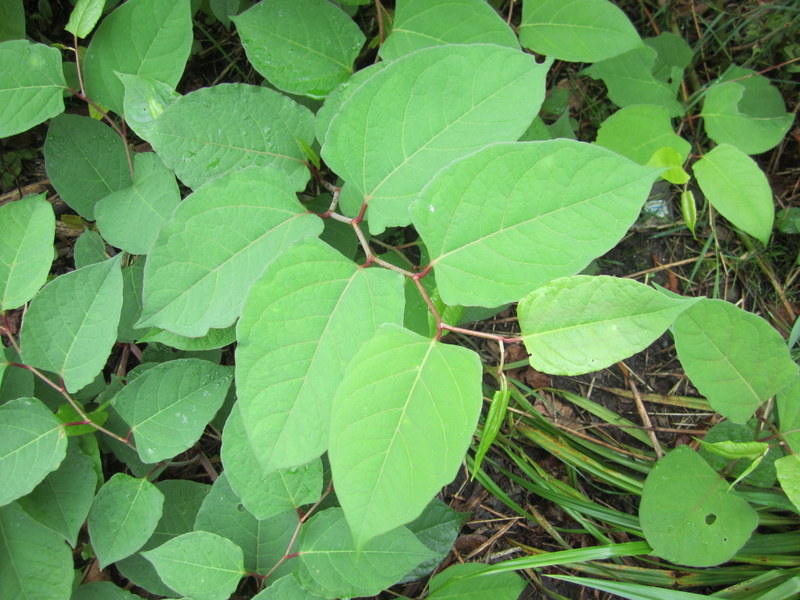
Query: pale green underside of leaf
(265, 494)
(580, 324)
(494, 232)
(687, 514)
(168, 406)
(34, 561)
(420, 24)
(301, 46)
(576, 30)
(638, 131)
(131, 218)
(401, 422)
(738, 188)
(216, 130)
(448, 586)
(141, 37)
(747, 113)
(32, 444)
(31, 85)
(123, 516)
(26, 249)
(85, 161)
(734, 358)
(199, 564)
(396, 129)
(216, 245)
(296, 337)
(331, 566)
(71, 324)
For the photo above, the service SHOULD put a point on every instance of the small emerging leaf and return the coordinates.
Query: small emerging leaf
(84, 17)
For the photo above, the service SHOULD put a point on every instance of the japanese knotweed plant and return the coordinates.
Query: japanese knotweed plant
(347, 409)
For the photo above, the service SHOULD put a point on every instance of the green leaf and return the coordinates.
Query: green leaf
(630, 81)
(182, 501)
(26, 249)
(437, 527)
(529, 233)
(101, 590)
(90, 249)
(788, 469)
(15, 382)
(263, 542)
(743, 109)
(131, 218)
(738, 189)
(169, 406)
(788, 402)
(215, 338)
(85, 161)
(31, 85)
(34, 561)
(689, 209)
(502, 586)
(579, 324)
(577, 30)
(265, 494)
(84, 17)
(216, 130)
(728, 441)
(639, 131)
(62, 501)
(301, 46)
(132, 283)
(401, 423)
(397, 128)
(218, 242)
(141, 37)
(71, 324)
(32, 444)
(420, 23)
(331, 566)
(734, 358)
(296, 337)
(673, 55)
(12, 20)
(671, 162)
(286, 588)
(202, 565)
(123, 516)
(145, 99)
(688, 517)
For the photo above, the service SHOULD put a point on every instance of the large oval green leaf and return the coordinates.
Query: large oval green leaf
(26, 249)
(734, 358)
(420, 23)
(32, 444)
(332, 567)
(738, 189)
(71, 324)
(199, 564)
(85, 161)
(216, 130)
(688, 515)
(34, 560)
(576, 30)
(169, 406)
(123, 517)
(301, 46)
(402, 420)
(419, 113)
(31, 85)
(302, 323)
(216, 245)
(141, 37)
(511, 217)
(580, 324)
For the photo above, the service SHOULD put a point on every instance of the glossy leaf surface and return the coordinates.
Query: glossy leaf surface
(404, 399)
(493, 239)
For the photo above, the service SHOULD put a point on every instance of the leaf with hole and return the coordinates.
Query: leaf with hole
(687, 514)
(404, 399)
(123, 517)
(218, 242)
(295, 339)
(71, 324)
(26, 249)
(529, 234)
(199, 564)
(396, 129)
